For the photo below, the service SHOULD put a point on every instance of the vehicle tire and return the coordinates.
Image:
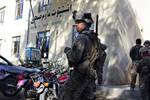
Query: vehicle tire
(47, 95)
(10, 86)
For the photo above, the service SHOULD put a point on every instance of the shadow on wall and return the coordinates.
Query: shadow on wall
(117, 76)
(114, 72)
(120, 34)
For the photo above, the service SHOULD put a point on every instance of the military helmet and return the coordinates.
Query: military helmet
(86, 18)
(147, 42)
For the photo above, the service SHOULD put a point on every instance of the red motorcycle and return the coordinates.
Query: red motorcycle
(56, 80)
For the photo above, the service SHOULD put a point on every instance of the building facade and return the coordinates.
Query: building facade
(13, 27)
(49, 26)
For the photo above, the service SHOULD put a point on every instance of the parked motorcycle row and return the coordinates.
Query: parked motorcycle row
(37, 83)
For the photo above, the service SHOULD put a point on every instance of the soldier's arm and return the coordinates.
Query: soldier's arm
(131, 53)
(76, 52)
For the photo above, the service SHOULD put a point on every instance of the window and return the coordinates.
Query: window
(44, 5)
(2, 13)
(19, 9)
(43, 43)
(16, 45)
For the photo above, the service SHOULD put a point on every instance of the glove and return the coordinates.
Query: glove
(66, 49)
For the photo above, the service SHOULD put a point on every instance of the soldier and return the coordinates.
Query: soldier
(136, 57)
(144, 71)
(81, 56)
(100, 62)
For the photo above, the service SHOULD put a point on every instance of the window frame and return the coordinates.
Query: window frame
(44, 5)
(16, 42)
(40, 36)
(2, 14)
(21, 4)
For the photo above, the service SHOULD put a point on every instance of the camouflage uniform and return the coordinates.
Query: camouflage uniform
(144, 77)
(144, 71)
(81, 84)
(100, 62)
(136, 57)
(133, 73)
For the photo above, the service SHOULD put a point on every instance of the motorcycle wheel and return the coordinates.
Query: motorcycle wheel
(10, 87)
(47, 95)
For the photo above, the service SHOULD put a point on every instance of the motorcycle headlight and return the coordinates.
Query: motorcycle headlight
(46, 84)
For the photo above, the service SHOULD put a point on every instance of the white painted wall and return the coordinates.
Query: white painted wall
(12, 27)
(141, 8)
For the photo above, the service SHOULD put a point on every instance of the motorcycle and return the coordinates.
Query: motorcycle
(8, 83)
(36, 84)
(56, 80)
(13, 82)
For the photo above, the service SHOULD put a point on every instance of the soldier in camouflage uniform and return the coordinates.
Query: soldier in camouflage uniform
(135, 57)
(81, 81)
(144, 71)
(100, 62)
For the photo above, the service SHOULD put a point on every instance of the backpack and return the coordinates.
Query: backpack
(95, 52)
(134, 52)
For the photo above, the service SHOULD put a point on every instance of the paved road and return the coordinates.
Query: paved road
(121, 92)
(103, 93)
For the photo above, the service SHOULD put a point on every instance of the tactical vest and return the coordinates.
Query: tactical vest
(94, 54)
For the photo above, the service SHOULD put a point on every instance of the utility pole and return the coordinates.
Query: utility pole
(32, 12)
(28, 30)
